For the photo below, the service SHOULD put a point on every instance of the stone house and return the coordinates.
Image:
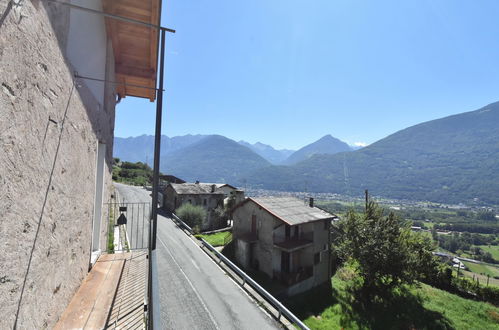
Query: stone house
(206, 195)
(229, 192)
(62, 71)
(285, 238)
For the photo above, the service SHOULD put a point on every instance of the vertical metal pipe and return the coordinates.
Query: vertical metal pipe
(155, 182)
(157, 143)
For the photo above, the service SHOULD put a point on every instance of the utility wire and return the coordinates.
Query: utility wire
(43, 207)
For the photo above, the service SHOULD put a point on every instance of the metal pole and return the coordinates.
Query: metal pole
(157, 143)
(114, 82)
(367, 198)
(155, 181)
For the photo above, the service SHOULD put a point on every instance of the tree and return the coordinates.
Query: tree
(385, 252)
(193, 215)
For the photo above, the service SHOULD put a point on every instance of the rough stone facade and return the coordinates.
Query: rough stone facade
(49, 132)
(208, 200)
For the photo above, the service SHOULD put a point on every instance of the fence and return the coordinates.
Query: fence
(128, 227)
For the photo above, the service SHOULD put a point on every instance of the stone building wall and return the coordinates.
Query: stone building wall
(263, 248)
(49, 131)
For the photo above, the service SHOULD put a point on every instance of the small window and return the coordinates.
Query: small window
(317, 258)
(204, 202)
(325, 248)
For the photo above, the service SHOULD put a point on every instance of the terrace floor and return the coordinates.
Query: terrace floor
(112, 296)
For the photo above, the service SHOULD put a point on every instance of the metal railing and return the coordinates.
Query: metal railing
(183, 224)
(246, 279)
(133, 234)
(228, 238)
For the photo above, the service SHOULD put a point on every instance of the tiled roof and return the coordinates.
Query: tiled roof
(291, 210)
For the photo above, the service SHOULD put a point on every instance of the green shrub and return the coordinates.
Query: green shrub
(192, 215)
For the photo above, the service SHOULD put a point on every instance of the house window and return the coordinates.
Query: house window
(189, 201)
(204, 202)
(317, 258)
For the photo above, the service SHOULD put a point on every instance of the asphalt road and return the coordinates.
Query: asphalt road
(194, 292)
(138, 212)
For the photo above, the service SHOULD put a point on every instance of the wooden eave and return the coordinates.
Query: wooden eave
(135, 46)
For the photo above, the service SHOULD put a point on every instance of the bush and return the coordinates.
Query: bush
(192, 215)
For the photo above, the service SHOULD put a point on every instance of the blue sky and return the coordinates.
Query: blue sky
(288, 72)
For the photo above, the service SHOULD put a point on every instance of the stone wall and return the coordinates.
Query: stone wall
(49, 131)
(265, 223)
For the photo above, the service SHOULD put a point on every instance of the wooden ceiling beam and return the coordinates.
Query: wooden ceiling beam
(135, 71)
(134, 45)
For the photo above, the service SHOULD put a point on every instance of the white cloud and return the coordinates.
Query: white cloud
(360, 144)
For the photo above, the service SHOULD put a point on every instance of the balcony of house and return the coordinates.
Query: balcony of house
(292, 238)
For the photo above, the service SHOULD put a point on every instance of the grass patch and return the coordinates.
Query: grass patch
(110, 232)
(409, 308)
(481, 278)
(492, 249)
(483, 269)
(216, 239)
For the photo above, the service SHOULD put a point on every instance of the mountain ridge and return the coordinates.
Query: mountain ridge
(451, 159)
(325, 145)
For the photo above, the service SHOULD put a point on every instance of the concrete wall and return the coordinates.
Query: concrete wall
(269, 258)
(263, 248)
(86, 45)
(321, 245)
(49, 133)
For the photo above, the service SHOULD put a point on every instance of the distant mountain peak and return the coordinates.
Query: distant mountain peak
(268, 152)
(325, 145)
(454, 159)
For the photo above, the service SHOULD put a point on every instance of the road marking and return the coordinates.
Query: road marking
(190, 283)
(195, 264)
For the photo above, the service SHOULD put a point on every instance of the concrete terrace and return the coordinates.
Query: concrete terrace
(112, 296)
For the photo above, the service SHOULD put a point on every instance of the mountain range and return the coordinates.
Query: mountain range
(452, 159)
(268, 152)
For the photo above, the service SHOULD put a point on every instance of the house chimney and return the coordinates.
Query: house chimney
(213, 188)
(311, 202)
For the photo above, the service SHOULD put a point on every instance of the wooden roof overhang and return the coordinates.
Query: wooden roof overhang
(135, 46)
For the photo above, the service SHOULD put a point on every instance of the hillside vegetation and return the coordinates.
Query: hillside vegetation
(416, 308)
(453, 159)
(213, 159)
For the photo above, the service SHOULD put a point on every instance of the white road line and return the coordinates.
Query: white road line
(190, 283)
(195, 264)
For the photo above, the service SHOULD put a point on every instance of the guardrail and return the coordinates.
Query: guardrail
(246, 279)
(182, 223)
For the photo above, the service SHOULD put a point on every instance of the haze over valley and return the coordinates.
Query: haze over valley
(453, 160)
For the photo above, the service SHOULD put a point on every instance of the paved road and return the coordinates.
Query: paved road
(138, 212)
(194, 292)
